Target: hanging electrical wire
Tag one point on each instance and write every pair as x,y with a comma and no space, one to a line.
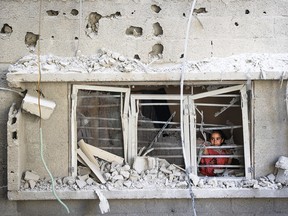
12,90
80,27
188,168
40,121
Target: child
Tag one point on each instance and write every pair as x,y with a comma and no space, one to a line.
216,139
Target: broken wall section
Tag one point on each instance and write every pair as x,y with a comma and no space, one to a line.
24,137
16,150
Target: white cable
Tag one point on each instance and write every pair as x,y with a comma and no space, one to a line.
80,26
181,104
182,77
40,121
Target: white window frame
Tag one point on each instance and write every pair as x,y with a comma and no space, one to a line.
245,124
124,118
129,118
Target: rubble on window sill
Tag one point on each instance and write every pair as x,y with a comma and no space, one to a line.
161,177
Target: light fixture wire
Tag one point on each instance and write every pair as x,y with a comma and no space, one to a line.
40,121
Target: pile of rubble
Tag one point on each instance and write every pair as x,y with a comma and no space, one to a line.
101,61
150,173
158,175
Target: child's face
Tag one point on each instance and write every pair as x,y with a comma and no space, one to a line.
216,139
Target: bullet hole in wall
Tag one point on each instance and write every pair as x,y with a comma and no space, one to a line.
200,10
76,38
14,135
114,15
247,11
74,12
157,29
157,51
14,119
52,13
93,23
236,24
264,12
6,29
182,56
134,31
133,12
156,8
31,39
136,56
64,14
52,37
184,15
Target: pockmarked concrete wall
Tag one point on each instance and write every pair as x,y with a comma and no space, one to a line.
145,30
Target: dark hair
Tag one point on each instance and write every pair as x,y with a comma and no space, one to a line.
219,132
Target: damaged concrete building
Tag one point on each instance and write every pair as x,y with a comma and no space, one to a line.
107,106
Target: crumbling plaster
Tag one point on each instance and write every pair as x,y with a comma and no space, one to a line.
260,30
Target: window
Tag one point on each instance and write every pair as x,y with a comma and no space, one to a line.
147,122
100,118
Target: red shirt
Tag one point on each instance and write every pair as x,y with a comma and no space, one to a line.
209,171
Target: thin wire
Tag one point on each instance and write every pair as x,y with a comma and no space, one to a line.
7,89
40,122
181,105
80,26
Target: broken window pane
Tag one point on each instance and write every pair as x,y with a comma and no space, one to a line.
99,119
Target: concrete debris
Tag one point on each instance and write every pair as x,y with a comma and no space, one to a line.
31,175
81,183
144,163
282,163
150,173
32,183
69,180
104,204
282,177
194,178
82,170
104,59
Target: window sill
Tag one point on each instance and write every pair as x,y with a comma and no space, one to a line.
153,194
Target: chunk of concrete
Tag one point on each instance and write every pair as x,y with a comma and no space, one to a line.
82,170
282,163
31,176
81,183
69,180
144,163
32,183
31,105
125,174
90,181
194,178
84,177
282,176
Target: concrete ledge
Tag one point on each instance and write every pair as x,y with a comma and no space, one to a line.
152,194
15,79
